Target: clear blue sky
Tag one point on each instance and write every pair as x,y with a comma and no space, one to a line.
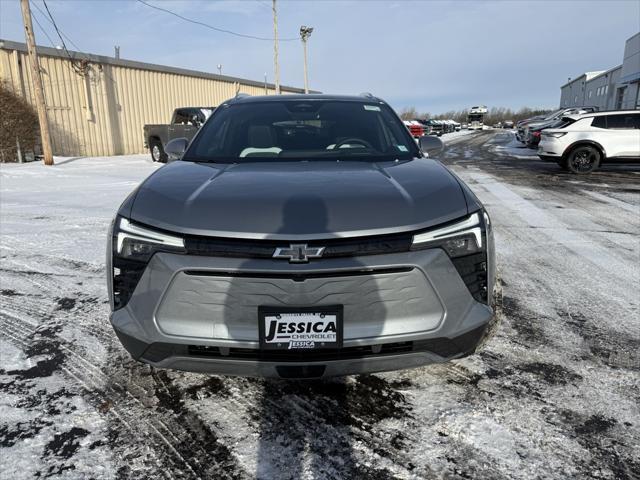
434,55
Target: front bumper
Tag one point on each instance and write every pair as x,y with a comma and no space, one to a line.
350,361
401,310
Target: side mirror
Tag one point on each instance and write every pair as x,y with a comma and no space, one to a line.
175,149
431,145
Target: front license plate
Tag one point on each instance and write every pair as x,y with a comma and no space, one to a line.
300,328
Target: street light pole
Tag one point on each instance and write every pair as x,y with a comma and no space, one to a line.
275,48
305,33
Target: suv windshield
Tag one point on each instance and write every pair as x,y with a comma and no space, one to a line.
302,130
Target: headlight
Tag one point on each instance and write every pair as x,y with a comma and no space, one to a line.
467,242
554,134
132,246
459,239
139,243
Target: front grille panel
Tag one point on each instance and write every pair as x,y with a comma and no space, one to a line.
224,305
339,247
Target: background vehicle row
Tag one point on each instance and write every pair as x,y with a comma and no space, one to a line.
581,143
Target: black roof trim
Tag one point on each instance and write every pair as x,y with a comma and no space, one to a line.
297,97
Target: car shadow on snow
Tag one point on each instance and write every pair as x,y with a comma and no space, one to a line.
315,429
308,428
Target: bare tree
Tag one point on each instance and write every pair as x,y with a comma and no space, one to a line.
409,113
495,114
18,125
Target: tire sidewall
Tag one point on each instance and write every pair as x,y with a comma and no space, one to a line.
162,157
579,150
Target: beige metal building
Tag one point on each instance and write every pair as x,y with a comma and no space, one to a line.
98,105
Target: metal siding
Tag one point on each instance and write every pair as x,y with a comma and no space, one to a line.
122,99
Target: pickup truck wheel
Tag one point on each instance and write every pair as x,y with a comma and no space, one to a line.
583,159
157,152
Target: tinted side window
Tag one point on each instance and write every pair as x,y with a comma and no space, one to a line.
194,117
181,116
599,122
623,122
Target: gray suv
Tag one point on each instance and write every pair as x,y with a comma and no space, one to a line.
300,236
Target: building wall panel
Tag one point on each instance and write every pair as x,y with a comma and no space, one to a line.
104,111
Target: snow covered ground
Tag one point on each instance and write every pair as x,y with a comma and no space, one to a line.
504,143
554,394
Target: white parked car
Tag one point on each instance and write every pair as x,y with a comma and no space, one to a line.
591,139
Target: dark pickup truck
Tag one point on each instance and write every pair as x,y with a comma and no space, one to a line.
185,122
435,127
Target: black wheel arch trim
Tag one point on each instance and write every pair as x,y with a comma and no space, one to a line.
580,143
153,138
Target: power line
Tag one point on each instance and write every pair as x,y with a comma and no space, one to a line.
80,69
63,34
43,31
72,59
221,30
264,4
60,31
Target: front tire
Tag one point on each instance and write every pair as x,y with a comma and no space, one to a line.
583,159
157,152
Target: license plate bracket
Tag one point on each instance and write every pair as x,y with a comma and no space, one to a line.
300,328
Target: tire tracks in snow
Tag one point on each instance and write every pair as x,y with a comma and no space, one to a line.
183,444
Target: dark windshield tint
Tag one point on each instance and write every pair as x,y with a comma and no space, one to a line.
304,130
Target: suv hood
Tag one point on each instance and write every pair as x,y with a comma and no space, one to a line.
298,200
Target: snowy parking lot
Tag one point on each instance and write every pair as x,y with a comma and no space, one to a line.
554,394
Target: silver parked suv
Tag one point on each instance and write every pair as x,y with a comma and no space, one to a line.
300,236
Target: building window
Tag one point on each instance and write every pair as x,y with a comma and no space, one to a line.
620,98
575,100
606,89
590,92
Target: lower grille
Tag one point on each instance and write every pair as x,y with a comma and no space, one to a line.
126,275
473,271
300,356
444,347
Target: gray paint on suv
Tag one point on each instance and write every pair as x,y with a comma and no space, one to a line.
402,249
361,198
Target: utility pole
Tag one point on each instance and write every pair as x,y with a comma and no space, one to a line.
275,47
117,51
37,83
305,33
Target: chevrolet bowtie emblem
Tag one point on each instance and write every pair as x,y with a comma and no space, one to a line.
298,253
